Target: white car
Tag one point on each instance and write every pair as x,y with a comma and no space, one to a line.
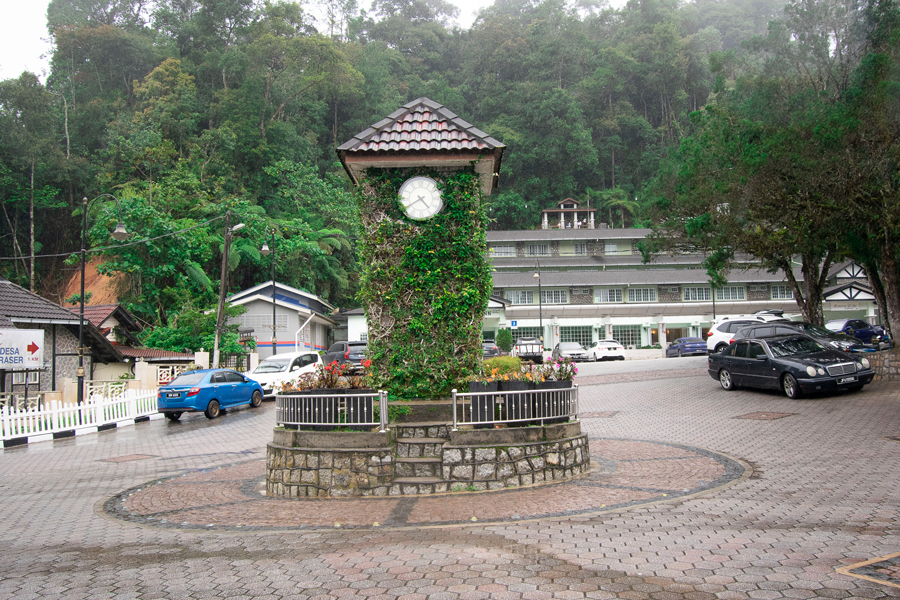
721,333
282,367
606,350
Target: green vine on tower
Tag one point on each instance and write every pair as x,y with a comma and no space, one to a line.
425,284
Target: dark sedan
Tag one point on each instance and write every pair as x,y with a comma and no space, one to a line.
796,364
490,349
824,336
207,390
686,347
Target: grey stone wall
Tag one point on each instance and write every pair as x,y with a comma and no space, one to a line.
886,365
580,298
300,472
669,293
758,291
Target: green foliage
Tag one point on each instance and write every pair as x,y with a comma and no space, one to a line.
504,365
195,329
504,339
425,284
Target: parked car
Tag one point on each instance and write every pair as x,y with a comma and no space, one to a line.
209,391
796,364
346,352
720,334
690,346
606,350
870,334
570,350
281,367
824,336
490,349
529,348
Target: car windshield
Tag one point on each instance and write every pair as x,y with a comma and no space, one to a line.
191,378
814,329
795,345
571,346
273,365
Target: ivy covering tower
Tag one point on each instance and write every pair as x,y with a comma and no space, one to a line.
423,175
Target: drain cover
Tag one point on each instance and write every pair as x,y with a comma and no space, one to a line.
599,415
765,416
884,570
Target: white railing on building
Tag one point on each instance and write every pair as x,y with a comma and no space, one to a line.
332,409
107,388
166,373
95,412
525,407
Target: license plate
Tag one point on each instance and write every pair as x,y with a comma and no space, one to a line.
846,380
172,395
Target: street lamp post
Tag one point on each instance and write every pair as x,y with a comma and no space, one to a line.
265,251
220,313
537,276
119,233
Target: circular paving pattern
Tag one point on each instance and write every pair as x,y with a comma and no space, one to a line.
625,473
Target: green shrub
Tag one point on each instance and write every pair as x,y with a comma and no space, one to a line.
505,340
503,364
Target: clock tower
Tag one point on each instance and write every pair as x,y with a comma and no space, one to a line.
422,176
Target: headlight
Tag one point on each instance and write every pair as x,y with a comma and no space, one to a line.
811,371
864,362
820,371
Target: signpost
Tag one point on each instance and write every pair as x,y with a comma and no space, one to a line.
513,325
21,349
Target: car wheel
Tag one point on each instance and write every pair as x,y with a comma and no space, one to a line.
256,399
212,409
173,416
721,347
594,357
726,380
790,386
679,353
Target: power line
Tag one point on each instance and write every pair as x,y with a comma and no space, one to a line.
102,248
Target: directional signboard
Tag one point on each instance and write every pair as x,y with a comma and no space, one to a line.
513,325
21,349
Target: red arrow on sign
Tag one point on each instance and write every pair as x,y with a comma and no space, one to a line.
32,347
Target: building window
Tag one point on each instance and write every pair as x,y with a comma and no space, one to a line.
580,249
581,334
364,337
520,296
262,323
607,295
554,297
611,248
696,294
782,292
627,335
523,332
537,250
730,292
642,294
503,250
34,377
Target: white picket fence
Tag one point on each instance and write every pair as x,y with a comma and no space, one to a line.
97,411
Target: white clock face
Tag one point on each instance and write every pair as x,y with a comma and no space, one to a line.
421,198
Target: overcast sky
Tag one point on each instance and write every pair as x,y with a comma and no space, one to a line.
23,29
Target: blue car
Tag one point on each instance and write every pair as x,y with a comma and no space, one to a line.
209,391
687,347
869,334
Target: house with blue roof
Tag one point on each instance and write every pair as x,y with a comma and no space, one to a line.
302,320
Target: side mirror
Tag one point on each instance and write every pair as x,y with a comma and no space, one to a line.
295,368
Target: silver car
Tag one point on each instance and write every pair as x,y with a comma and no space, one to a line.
572,350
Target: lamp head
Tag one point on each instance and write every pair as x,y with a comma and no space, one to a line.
120,233
238,227
537,275
265,249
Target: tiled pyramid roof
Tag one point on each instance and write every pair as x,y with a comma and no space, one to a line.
421,125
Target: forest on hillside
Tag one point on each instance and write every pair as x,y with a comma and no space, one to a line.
183,109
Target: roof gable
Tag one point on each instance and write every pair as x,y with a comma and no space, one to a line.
419,125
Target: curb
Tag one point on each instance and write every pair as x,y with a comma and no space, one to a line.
47,437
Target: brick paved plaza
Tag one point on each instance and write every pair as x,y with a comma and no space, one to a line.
696,493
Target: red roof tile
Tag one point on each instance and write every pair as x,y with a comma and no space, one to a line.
151,353
421,125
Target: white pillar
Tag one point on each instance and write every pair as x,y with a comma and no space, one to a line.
590,220
544,222
576,219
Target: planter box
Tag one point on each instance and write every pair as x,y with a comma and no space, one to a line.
483,407
518,406
551,403
317,406
359,409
